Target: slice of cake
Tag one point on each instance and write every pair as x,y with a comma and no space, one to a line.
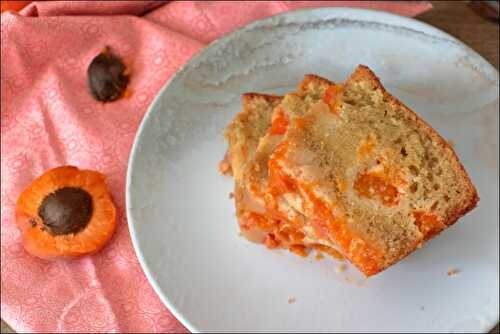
243,135
277,220
246,129
373,180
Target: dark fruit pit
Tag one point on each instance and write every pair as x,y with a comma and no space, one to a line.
67,210
106,77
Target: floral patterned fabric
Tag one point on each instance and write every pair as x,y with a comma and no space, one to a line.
48,119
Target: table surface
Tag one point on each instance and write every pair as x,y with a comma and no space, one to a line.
458,19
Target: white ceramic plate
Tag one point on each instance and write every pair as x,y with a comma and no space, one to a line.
182,221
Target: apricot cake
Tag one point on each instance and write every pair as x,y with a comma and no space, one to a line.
243,135
283,223
246,129
347,168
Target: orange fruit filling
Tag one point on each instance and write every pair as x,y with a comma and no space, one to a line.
252,219
279,123
300,250
367,147
376,186
271,242
428,223
328,250
332,97
326,226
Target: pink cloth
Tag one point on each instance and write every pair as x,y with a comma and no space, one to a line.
48,119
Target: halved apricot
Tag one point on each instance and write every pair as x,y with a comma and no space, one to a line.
15,6
66,212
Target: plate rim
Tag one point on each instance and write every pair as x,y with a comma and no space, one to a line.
404,22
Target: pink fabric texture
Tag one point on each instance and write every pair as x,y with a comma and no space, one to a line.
49,119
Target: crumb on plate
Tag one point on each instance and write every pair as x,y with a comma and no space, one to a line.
341,268
225,168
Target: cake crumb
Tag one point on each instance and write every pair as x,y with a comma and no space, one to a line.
452,143
225,166
231,195
291,300
319,256
453,272
341,268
